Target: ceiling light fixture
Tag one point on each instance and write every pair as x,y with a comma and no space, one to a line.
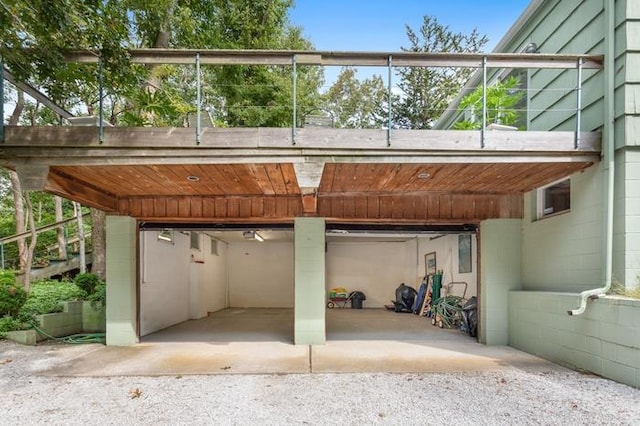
193,178
423,175
166,235
252,235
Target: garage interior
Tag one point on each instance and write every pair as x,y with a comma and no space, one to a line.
237,285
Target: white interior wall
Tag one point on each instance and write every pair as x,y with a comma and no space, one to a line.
261,274
178,283
164,284
214,278
446,248
377,268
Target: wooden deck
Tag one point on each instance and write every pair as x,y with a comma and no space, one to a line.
268,175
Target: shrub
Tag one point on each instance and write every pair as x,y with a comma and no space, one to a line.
12,295
88,282
45,297
9,324
98,298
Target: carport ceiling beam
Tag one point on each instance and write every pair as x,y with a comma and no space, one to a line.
308,175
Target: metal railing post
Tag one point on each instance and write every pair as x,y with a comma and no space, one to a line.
483,131
295,106
390,65
100,102
198,99
576,143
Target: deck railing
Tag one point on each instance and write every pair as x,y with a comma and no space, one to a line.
556,83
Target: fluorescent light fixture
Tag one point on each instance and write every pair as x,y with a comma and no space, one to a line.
252,235
166,235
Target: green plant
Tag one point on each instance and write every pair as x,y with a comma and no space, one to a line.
45,297
12,295
98,298
502,99
9,324
88,282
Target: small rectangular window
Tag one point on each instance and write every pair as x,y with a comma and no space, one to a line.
554,198
214,247
195,240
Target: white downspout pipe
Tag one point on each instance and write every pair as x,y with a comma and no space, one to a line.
608,140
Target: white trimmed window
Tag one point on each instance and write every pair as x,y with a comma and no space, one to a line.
554,198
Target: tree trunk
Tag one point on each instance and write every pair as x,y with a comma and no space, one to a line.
161,42
98,238
62,240
17,191
83,262
18,204
32,242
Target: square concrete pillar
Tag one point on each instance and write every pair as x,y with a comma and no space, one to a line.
309,270
121,281
500,272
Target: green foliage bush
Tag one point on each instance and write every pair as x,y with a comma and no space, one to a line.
502,99
98,298
9,324
45,297
88,282
12,295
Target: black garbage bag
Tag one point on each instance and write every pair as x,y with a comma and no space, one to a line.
356,299
470,316
405,297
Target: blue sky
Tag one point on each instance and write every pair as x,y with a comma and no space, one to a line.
379,25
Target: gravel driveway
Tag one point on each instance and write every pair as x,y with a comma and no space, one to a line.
515,396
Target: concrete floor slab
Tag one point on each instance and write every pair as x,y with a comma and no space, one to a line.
260,341
167,359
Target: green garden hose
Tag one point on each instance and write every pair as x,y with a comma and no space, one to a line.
448,310
75,338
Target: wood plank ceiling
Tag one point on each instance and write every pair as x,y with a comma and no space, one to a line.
366,192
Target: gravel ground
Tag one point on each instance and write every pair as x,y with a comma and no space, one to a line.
515,396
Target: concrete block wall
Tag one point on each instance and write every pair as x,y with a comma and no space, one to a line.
64,323
605,340
93,320
500,271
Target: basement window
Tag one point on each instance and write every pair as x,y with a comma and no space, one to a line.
554,199
195,240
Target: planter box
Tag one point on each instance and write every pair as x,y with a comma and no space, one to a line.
75,318
25,337
93,320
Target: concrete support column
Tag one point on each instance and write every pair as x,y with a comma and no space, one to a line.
500,272
309,270
121,279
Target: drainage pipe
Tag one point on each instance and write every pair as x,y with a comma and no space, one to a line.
608,160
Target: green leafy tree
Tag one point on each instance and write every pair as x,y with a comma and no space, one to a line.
357,104
426,92
35,34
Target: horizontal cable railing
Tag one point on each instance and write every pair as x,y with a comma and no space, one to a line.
227,88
